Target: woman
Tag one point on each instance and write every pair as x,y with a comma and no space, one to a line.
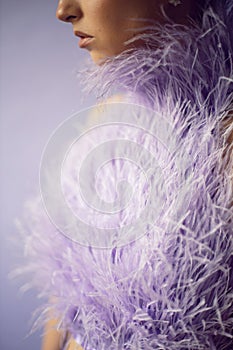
174,57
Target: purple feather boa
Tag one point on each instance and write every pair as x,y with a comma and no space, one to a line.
172,288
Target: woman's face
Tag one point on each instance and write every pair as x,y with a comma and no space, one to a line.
104,25
107,23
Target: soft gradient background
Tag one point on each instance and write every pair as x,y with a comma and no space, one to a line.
39,57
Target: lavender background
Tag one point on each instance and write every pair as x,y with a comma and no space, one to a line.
39,57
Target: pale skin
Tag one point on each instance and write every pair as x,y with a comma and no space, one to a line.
109,23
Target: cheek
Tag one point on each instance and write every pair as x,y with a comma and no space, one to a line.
110,15
116,15
111,21
108,27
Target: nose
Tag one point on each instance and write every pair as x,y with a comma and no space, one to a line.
68,10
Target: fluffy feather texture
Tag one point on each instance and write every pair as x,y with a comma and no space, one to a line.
172,288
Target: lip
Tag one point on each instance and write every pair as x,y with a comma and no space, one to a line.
85,39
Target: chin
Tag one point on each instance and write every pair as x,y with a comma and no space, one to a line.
100,57
97,57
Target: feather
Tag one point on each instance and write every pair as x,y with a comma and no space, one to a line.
171,287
